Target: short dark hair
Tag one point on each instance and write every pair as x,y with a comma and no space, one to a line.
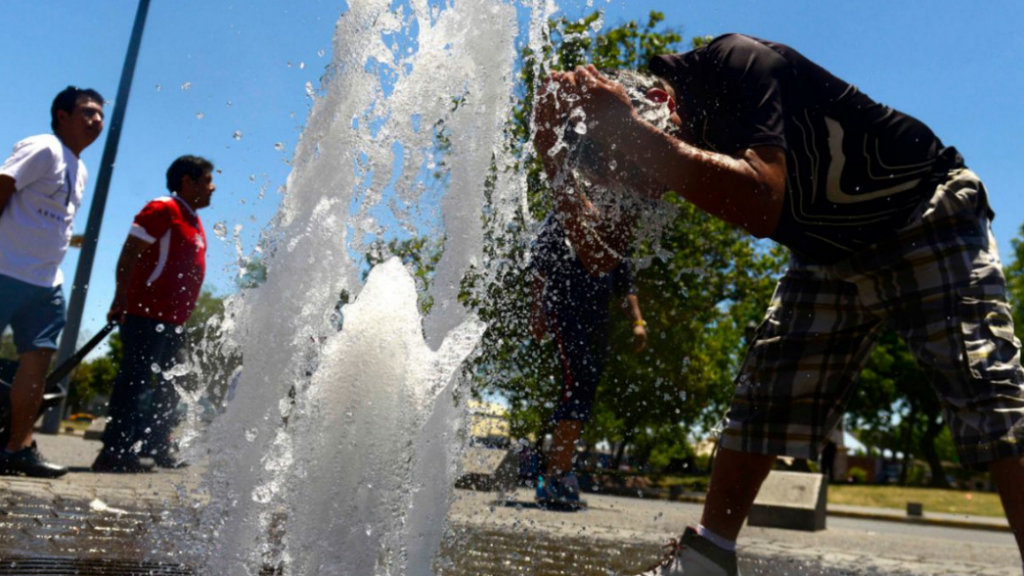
192,166
68,98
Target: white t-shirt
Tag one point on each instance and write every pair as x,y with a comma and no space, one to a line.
35,227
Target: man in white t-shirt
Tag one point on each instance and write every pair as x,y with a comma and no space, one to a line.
41,186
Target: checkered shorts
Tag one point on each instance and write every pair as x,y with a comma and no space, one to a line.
939,284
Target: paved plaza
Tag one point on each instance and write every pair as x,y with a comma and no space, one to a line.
123,523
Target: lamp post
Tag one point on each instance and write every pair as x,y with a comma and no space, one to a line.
76,305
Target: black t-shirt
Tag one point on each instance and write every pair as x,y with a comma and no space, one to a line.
856,169
570,293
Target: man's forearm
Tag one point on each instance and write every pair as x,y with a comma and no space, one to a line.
633,308
735,189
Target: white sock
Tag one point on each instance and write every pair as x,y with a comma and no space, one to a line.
723,543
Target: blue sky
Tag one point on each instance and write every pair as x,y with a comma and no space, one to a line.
246,65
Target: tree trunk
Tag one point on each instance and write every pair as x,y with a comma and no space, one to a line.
908,438
935,425
620,453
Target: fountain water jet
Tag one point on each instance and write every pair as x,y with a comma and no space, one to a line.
355,477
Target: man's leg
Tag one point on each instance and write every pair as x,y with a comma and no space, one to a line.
27,396
133,374
735,481
1008,474
162,417
563,447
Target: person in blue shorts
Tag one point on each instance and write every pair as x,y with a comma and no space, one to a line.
41,188
573,306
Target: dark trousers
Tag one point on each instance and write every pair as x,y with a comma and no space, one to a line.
143,405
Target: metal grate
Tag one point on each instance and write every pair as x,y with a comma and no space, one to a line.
68,566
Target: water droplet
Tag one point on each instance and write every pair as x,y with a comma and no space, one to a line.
230,104
160,328
186,86
251,434
309,89
252,177
289,63
200,115
321,52
580,128
155,368
237,135
179,329
220,229
302,65
159,87
369,530
279,147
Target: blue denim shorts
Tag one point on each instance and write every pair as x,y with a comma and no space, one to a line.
34,313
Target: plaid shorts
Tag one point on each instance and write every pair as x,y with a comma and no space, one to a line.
939,284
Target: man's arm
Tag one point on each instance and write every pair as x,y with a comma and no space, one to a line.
636,318
130,253
598,242
7,189
746,188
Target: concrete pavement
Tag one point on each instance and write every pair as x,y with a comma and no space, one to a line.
133,518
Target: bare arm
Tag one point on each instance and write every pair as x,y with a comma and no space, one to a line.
598,242
130,252
636,318
7,189
746,189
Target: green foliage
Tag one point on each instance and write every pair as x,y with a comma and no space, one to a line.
1015,283
858,475
96,377
896,409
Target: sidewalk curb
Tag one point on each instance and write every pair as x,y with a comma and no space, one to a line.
943,522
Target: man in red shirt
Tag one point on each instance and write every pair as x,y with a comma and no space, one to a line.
159,277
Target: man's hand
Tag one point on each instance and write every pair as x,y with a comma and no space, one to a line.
550,114
604,105
117,311
639,337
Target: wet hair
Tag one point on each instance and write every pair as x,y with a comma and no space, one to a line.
67,99
192,166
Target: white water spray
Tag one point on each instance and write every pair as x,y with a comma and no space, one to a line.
355,477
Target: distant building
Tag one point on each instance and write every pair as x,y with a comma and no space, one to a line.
488,424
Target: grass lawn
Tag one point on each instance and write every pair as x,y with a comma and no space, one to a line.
933,499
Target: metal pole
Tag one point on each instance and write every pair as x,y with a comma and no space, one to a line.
69,340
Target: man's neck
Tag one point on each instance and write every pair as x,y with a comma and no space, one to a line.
76,150
189,202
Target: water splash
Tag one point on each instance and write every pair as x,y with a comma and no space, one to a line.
337,454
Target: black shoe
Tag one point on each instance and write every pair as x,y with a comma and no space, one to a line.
128,463
169,462
29,462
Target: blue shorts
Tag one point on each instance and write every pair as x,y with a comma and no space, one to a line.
583,351
34,313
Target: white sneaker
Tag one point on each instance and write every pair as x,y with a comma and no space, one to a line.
694,555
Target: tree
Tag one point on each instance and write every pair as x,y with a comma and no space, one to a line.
705,281
1015,282
896,409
